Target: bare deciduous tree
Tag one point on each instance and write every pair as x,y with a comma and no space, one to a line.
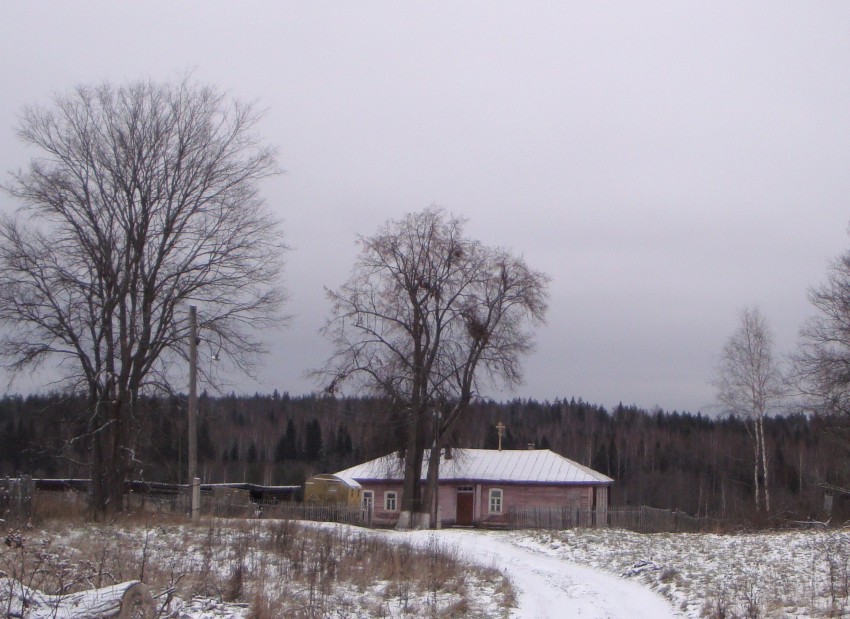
749,384
822,363
425,317
143,198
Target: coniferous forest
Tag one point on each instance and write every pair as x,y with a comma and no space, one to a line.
691,462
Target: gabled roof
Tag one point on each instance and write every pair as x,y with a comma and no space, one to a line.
539,466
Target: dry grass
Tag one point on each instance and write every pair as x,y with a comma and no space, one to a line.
273,568
804,573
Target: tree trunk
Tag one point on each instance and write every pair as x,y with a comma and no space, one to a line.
432,486
109,460
126,600
410,498
757,452
412,503
764,464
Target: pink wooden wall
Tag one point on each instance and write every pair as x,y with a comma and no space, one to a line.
513,495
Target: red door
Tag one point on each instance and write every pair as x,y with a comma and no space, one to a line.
465,502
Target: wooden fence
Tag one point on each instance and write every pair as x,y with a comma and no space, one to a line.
16,496
236,503
319,513
639,519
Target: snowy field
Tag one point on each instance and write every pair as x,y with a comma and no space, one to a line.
228,569
785,574
549,587
797,574
241,569
599,573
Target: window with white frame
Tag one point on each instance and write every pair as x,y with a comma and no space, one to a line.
390,501
495,501
368,499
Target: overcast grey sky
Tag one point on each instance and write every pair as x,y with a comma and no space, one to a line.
667,163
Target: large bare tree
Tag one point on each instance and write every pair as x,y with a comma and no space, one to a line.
822,363
750,385
426,316
822,360
142,199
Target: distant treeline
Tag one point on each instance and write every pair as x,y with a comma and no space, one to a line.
690,462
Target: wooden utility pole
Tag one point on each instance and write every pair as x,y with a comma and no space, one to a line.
193,413
435,454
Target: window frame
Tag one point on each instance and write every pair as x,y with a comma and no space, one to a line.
368,499
391,495
497,496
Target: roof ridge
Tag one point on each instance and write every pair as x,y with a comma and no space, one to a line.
536,466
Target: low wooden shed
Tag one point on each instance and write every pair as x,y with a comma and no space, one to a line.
480,487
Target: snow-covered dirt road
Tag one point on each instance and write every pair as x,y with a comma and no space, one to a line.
551,588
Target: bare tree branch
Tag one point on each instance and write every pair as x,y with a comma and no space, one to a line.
425,317
144,199
822,363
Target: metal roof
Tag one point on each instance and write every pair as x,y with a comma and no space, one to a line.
348,481
539,466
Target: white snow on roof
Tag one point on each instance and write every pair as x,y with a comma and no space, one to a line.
348,481
534,466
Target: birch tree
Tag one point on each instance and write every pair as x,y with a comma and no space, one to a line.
749,385
426,317
142,199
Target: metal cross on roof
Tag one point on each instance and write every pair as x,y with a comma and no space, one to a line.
501,428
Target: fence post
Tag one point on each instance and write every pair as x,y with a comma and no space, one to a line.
25,489
196,499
